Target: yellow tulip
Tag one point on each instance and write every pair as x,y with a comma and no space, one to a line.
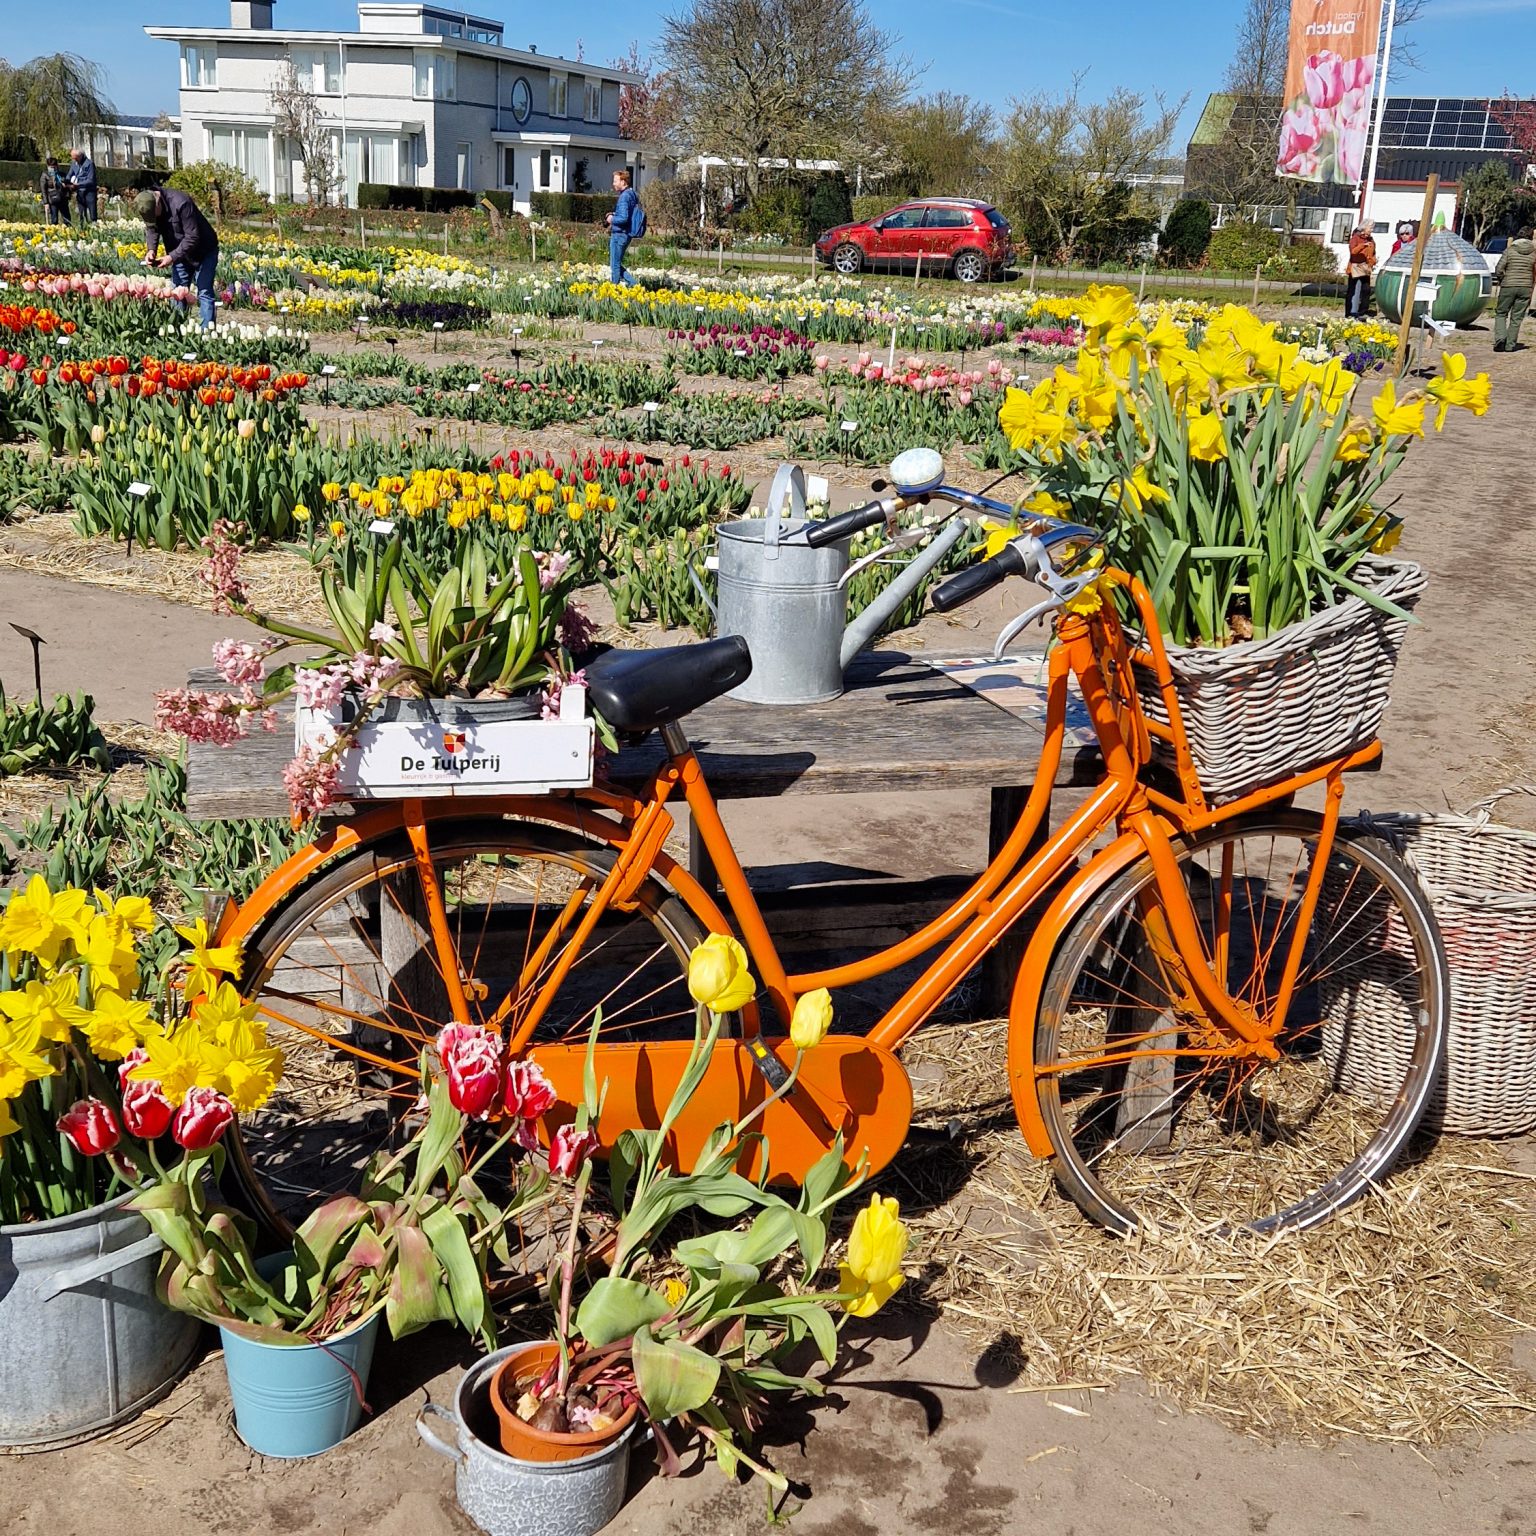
331,491
675,1291
876,1247
719,976
811,1020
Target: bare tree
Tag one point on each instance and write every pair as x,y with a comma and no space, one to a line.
47,99
944,143
790,79
296,117
1068,165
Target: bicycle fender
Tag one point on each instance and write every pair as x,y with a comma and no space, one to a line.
1024,1006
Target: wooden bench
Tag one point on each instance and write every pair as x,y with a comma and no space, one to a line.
900,726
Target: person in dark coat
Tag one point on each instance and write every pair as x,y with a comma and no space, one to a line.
174,220
55,192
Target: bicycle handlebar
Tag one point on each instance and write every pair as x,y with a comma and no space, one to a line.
845,524
978,578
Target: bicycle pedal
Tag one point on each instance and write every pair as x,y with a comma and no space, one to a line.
772,1070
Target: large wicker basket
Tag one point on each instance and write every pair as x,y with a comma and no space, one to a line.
1480,878
1262,710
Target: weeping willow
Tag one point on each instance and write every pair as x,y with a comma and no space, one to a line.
47,100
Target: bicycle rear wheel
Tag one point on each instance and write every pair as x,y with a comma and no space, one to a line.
1157,1114
349,985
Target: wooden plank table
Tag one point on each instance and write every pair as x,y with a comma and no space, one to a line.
900,726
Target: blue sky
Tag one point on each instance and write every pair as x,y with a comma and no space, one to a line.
994,49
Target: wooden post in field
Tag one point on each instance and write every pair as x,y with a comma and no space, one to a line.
917,273
1405,325
1256,271
1034,268
720,255
362,229
1141,287
445,235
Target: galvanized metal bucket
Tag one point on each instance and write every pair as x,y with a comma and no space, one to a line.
84,1341
785,599
508,1497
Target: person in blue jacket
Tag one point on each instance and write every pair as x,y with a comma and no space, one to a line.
623,224
173,219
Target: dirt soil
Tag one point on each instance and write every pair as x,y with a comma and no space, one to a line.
920,1432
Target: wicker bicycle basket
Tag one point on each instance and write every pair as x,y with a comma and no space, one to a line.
1262,710
1480,877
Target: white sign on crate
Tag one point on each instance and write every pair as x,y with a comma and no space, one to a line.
435,748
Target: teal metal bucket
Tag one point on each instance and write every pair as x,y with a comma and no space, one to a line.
298,1399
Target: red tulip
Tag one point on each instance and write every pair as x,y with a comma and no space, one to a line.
91,1127
528,1092
569,1149
471,1059
204,1116
147,1112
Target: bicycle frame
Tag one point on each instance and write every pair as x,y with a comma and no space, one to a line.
1092,650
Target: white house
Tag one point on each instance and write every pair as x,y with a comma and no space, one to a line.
421,95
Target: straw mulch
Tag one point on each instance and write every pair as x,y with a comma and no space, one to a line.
1393,1322
24,795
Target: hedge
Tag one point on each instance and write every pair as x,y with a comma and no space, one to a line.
27,174
573,207
375,194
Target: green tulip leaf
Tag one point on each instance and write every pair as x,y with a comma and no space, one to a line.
673,1378
616,1308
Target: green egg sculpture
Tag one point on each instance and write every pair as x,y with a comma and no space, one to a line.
1462,280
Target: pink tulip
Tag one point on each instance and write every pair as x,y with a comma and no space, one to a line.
823,362
1323,75
204,1116
994,367
569,1149
528,1092
874,373
91,1127
863,359
965,397
147,1112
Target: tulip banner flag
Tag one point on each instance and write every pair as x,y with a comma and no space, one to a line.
1328,85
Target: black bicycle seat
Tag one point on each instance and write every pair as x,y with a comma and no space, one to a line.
639,691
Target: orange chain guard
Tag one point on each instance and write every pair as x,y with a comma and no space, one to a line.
845,1084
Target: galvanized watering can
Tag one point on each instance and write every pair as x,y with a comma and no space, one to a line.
783,578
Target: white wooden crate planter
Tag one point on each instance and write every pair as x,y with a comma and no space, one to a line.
431,748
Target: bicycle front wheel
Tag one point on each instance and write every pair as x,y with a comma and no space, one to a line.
1158,1114
347,980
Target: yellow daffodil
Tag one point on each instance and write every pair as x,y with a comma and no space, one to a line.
1165,337
135,911
114,1025
8,1122
1386,541
1454,388
39,922
49,1008
1207,442
223,1014
1334,384
675,1291
998,535
22,1057
179,1061
1394,419
811,1020
109,951
1135,490
1044,504
1104,306
207,964
719,974
1356,444
876,1247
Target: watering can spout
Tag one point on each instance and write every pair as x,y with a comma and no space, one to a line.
862,631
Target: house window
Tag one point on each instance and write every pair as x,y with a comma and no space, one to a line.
435,75
319,68
247,149
508,166
592,102
544,169
557,95
463,168
200,66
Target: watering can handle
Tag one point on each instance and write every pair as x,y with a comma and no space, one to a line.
429,1437
73,1276
788,481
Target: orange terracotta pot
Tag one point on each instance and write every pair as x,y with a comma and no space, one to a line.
518,1437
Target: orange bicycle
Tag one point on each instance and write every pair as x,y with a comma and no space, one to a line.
1230,1011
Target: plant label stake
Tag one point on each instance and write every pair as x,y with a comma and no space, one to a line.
325,373
437,325
37,658
517,354
189,357
383,526
140,489
890,360
474,392
650,408
848,428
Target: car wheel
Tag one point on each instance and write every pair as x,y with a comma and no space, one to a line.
970,266
848,258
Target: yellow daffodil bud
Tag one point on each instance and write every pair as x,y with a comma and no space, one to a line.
811,1020
876,1247
719,976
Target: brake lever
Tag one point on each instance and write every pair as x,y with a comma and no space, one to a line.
907,538
1063,590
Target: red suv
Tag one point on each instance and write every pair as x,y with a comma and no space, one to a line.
949,234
